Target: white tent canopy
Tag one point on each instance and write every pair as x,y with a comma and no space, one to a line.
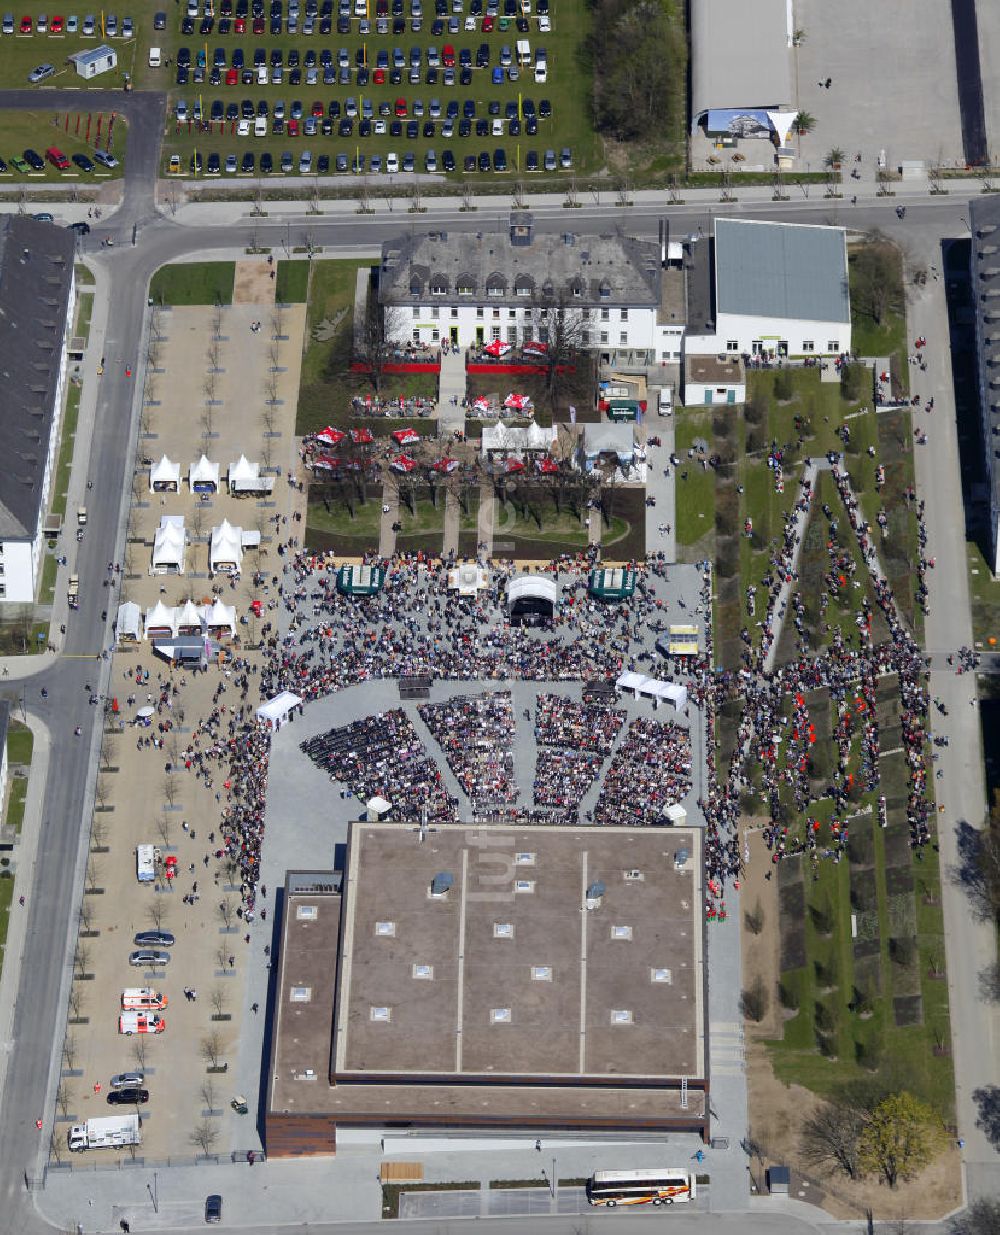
653,688
204,475
168,546
468,578
129,621
165,477
187,619
631,681
218,616
159,618
226,553
276,710
501,437
245,477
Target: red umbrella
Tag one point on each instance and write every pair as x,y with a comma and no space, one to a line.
325,463
496,348
361,437
330,435
538,348
403,463
446,465
546,465
514,465
406,437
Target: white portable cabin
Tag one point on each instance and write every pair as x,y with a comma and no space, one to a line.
145,863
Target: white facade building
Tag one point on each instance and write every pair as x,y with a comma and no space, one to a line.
470,290
37,302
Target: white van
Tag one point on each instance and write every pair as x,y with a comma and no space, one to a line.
261,74
523,52
145,863
665,406
260,126
155,58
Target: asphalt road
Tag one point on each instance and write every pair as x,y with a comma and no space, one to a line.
40,1005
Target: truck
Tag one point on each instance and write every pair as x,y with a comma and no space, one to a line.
109,1132
140,1022
81,516
155,57
142,998
73,592
665,406
146,857
523,52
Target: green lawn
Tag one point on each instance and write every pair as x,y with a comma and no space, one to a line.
6,898
695,505
567,88
20,742
84,277
292,282
193,283
48,589
886,337
15,802
84,308
65,465
984,592
327,385
46,127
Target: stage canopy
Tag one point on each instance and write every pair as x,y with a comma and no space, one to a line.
360,580
616,584
276,711
531,600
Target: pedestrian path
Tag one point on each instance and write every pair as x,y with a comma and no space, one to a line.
451,523
451,391
780,607
484,526
390,513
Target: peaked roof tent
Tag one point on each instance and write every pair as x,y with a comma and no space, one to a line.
129,621
203,476
217,615
360,580
159,618
245,477
165,476
226,552
616,584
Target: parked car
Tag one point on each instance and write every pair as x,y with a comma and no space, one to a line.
213,1208
40,73
34,160
8,23
84,164
56,157
132,1096
127,1080
105,159
147,957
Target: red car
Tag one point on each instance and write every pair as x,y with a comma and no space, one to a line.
56,25
448,56
25,25
56,157
401,107
317,109
258,25
232,77
293,128
378,77
240,25
487,25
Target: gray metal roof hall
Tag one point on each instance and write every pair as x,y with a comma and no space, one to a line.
740,55
783,270
36,278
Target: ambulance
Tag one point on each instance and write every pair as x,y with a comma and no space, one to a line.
142,998
140,1022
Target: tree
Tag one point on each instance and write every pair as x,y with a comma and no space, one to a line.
226,911
899,1138
381,331
981,1218
81,959
831,1136
987,1099
804,122
69,1051
755,1000
205,1136
560,327
876,278
208,1093
156,911
211,1048
218,998
638,55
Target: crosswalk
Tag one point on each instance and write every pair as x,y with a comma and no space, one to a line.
726,1050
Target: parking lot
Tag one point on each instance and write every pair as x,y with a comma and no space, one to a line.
468,87
141,802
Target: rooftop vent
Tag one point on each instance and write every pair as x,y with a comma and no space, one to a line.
633,876
441,883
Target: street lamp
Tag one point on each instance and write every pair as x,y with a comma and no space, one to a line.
152,1190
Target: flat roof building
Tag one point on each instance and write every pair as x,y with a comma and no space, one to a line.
740,59
984,215
516,978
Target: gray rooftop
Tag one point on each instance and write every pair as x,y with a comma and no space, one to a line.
984,215
36,274
585,270
740,55
784,270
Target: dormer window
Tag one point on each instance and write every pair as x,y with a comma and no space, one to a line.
415,287
523,286
605,290
495,286
439,286
466,287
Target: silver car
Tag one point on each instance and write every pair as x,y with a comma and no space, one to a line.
145,957
127,1080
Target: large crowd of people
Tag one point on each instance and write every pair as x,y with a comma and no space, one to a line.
381,756
650,771
476,734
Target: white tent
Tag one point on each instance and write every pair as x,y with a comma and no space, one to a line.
218,617
160,621
203,476
507,438
676,816
377,808
165,477
632,682
276,710
226,553
168,546
129,621
187,619
653,688
467,579
245,477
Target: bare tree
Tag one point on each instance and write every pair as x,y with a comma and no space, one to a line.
109,747
227,911
56,1147
64,1096
212,1048
379,333
831,1136
69,1051
222,956
75,999
208,1094
93,873
102,791
86,913
416,200
561,328
139,1051
170,788
205,1136
218,997
156,911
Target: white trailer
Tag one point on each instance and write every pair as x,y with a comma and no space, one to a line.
145,862
111,1132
